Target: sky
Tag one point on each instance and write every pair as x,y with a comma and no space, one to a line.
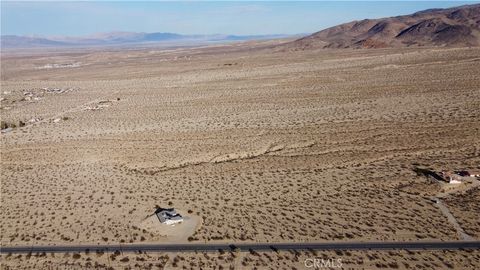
69,18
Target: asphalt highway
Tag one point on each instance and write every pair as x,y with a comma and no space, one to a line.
209,247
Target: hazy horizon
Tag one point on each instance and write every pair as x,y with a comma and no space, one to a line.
50,19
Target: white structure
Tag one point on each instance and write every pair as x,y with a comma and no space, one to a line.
168,216
454,181
174,220
452,177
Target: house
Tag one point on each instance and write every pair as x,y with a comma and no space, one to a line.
474,173
168,216
452,177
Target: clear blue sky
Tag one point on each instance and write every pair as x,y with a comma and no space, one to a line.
195,17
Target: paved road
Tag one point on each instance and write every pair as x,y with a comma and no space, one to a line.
416,245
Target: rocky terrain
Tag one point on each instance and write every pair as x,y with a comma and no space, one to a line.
453,27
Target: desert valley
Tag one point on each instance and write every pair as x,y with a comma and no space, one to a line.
282,140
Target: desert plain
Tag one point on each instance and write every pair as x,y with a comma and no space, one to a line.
255,142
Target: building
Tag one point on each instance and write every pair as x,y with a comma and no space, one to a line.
452,177
168,216
475,174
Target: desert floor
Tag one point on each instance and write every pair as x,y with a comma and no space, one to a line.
256,143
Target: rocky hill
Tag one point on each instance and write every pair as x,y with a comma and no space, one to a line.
455,27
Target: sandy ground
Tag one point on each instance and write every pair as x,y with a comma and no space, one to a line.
261,145
465,259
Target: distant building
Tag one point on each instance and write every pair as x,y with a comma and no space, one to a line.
168,216
474,173
452,177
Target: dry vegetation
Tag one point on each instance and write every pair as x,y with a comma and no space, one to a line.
465,259
466,208
263,145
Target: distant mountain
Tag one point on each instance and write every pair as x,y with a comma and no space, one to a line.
459,26
120,38
18,41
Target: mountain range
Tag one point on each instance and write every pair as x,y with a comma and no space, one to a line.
121,38
458,26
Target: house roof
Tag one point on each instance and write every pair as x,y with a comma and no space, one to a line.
164,214
164,210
